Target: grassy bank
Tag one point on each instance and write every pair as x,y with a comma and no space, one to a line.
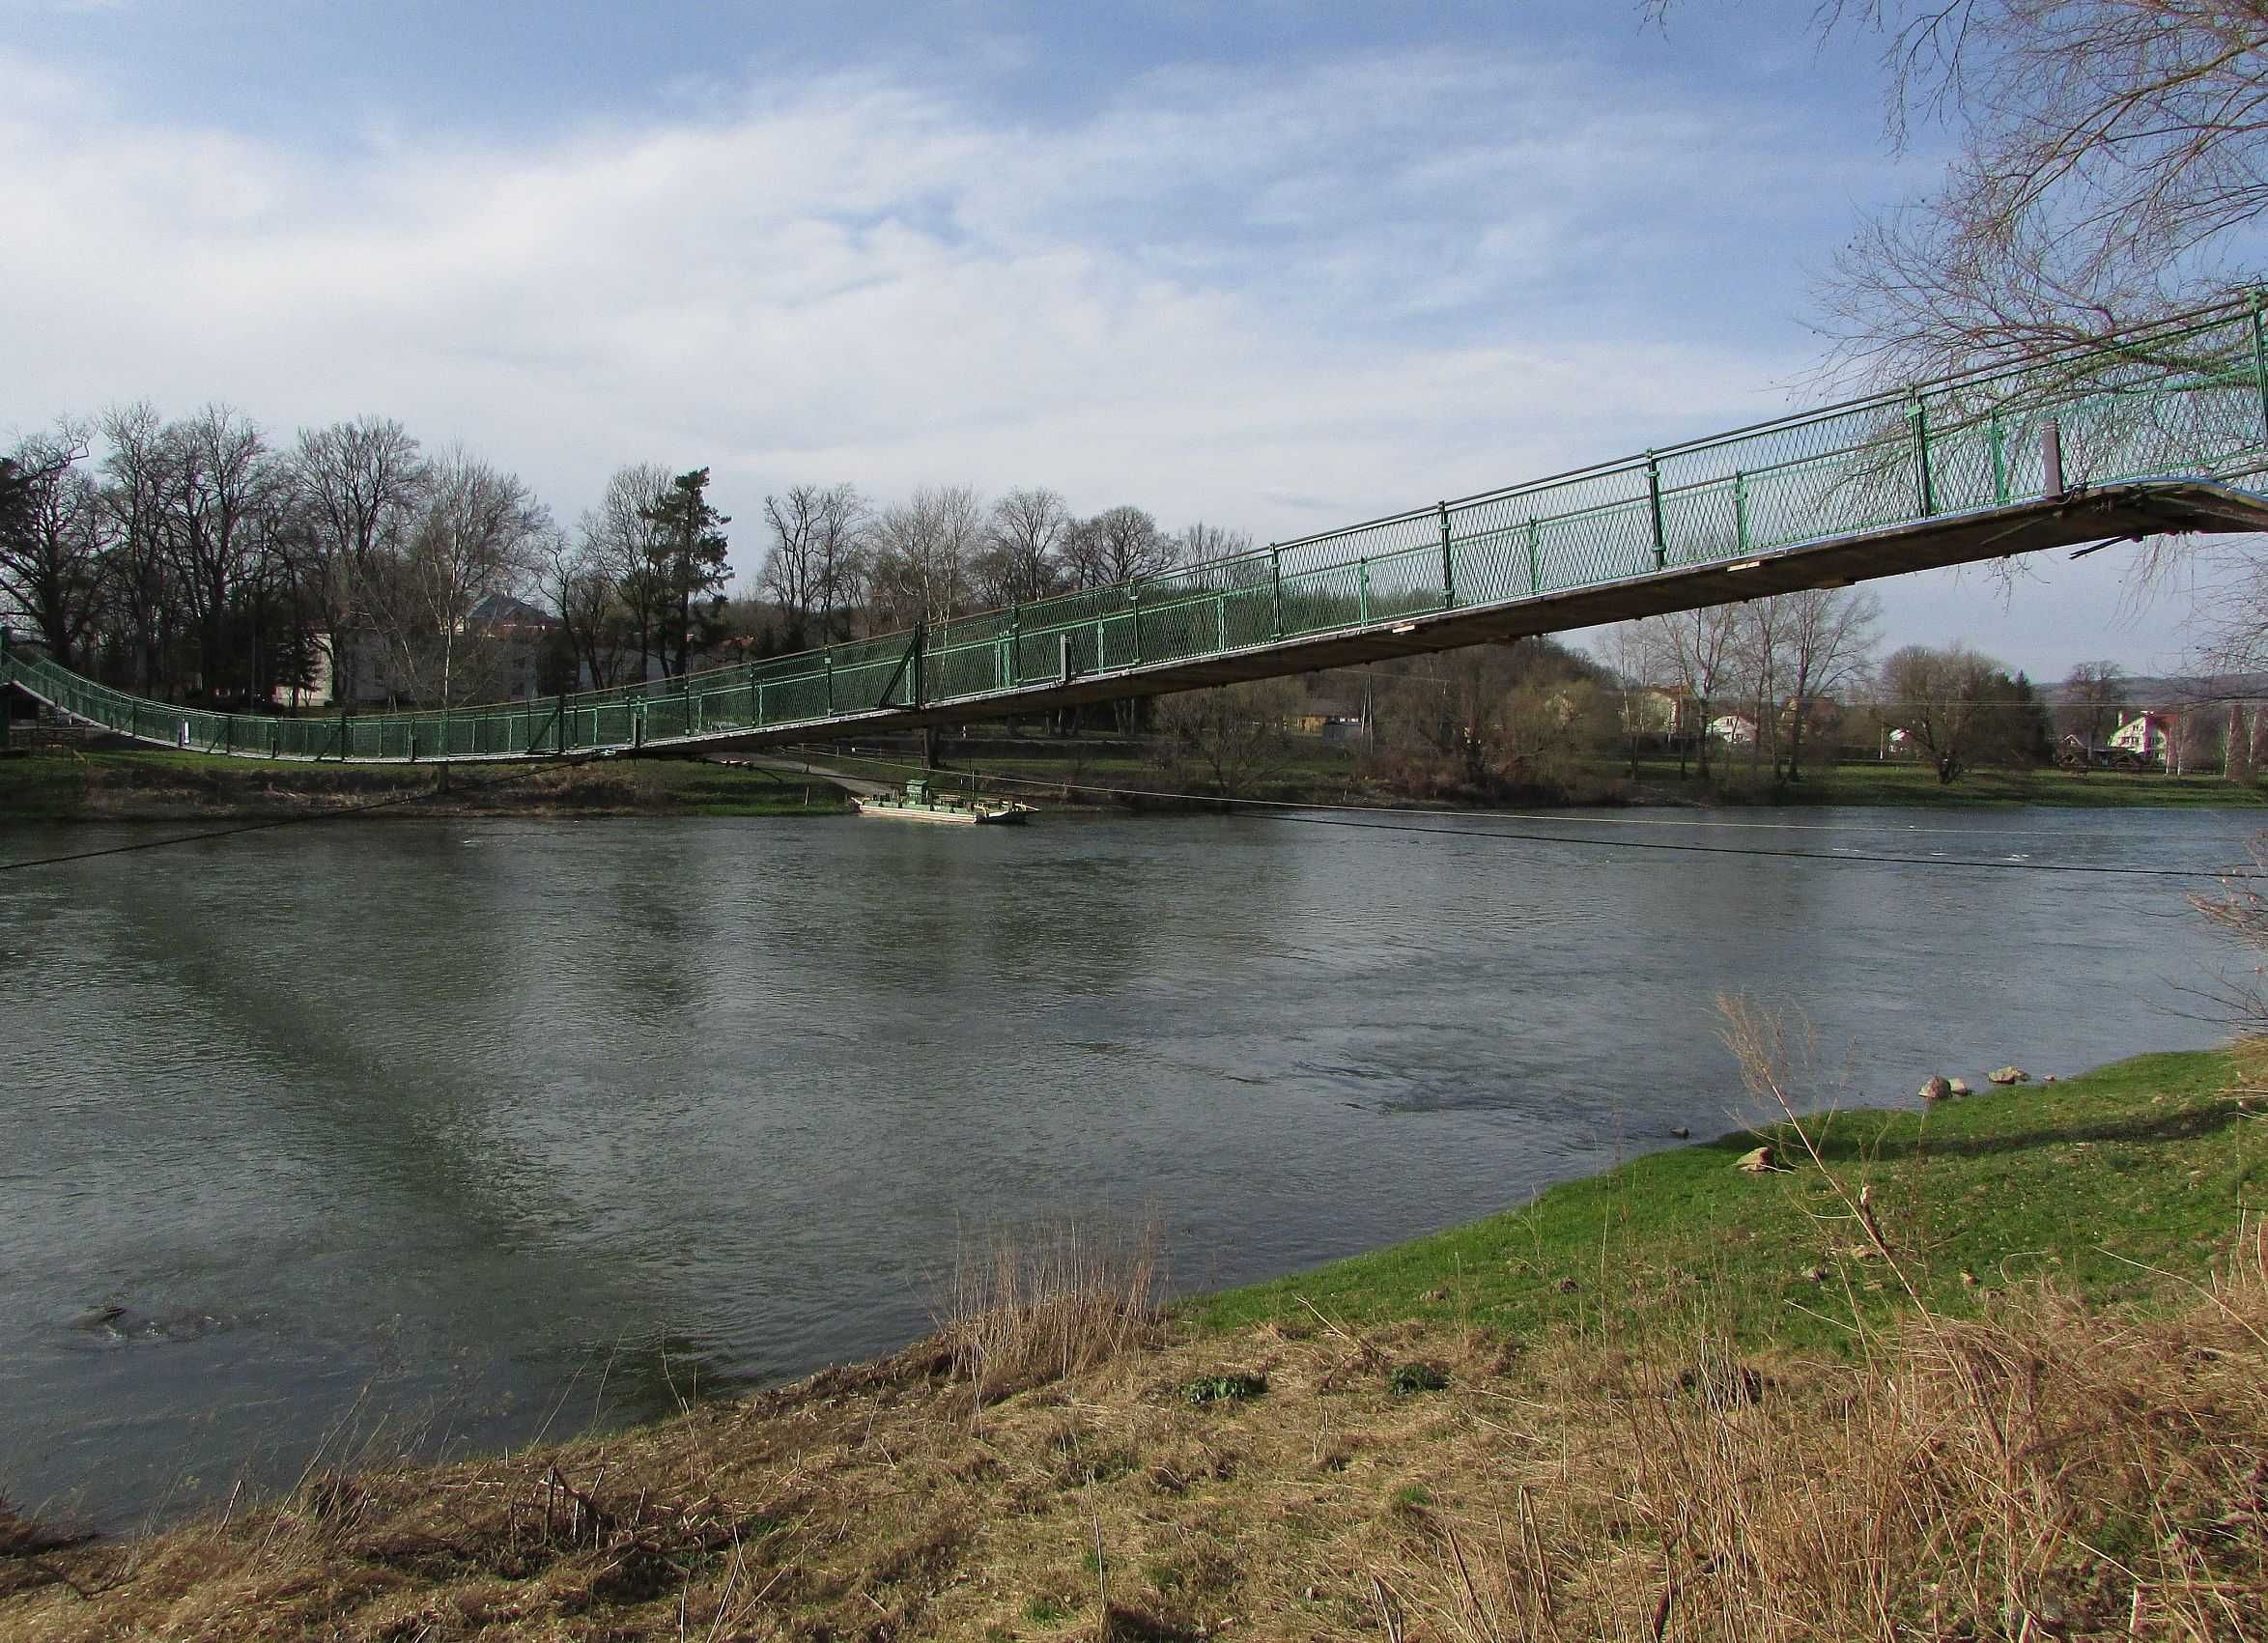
67,785
1677,1401
1320,773
1866,781
2141,1162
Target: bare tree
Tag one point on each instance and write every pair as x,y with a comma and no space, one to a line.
138,472
1759,634
1628,652
1236,735
617,539
1962,709
478,535
51,542
813,570
844,531
1201,543
2109,173
217,480
359,484
1116,545
924,549
1023,537
791,562
2094,695
1828,641
580,588
1695,651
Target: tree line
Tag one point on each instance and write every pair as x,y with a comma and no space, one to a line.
206,559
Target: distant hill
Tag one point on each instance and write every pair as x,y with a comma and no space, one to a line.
2150,690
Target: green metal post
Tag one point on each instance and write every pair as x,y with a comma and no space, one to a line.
1133,598
920,638
412,743
1654,504
1741,512
830,683
1015,644
1362,596
559,737
1535,560
1448,564
1927,492
1997,438
2260,366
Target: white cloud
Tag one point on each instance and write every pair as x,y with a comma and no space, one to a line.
1347,285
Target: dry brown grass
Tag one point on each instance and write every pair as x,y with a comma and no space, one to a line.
2052,1472
1030,1303
1057,1462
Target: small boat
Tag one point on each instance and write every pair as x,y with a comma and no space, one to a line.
919,804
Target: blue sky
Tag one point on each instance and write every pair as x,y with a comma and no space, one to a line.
1276,266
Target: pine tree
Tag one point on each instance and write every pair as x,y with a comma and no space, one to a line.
687,557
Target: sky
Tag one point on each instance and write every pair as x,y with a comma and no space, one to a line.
1274,266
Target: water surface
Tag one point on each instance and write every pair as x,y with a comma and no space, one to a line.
478,1126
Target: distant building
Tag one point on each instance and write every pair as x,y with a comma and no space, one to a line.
1660,710
500,656
2150,735
1331,719
1734,730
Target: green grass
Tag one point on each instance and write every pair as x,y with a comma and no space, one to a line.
1332,772
1869,781
2147,1161
61,785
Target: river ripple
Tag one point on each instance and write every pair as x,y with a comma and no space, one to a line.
463,1126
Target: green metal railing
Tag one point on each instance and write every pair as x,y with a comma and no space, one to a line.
2184,400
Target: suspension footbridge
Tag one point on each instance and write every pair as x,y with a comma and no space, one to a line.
2138,435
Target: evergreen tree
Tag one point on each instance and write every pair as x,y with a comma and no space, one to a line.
686,558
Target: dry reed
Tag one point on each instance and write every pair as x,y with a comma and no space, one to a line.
1030,1303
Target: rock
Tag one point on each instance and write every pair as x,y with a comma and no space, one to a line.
1938,1087
1756,1162
1958,1087
2010,1075
1682,1133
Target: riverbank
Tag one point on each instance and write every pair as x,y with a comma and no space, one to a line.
61,785
65,785
2018,1388
1333,773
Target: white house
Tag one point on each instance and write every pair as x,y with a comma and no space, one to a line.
1736,729
2149,734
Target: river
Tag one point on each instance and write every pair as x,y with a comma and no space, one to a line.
341,1135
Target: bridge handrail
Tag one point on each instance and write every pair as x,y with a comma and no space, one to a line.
2186,397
